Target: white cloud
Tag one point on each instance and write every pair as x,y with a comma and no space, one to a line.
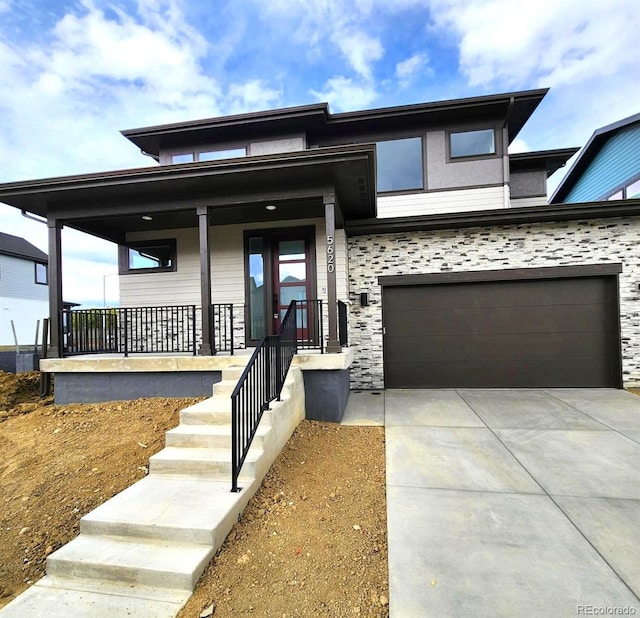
518,145
344,94
360,50
409,69
548,42
252,95
95,72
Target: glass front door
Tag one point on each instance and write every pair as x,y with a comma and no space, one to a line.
279,270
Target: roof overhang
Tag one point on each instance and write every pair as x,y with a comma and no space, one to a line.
548,160
110,204
319,125
502,216
587,155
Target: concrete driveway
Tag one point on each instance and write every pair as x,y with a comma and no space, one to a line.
513,502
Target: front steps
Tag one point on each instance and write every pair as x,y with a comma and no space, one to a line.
142,552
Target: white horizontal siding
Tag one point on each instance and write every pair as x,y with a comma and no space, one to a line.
462,200
181,287
227,266
25,315
517,202
18,279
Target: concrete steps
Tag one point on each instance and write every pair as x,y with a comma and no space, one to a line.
148,562
142,552
207,436
212,463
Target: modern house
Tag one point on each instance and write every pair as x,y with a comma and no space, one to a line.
607,168
408,234
24,290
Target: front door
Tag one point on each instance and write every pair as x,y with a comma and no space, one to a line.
291,277
279,269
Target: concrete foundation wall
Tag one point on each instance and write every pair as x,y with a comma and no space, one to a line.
97,387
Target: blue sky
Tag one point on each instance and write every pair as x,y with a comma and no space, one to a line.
75,72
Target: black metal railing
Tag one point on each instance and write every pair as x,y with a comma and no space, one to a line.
130,330
310,325
343,337
260,383
221,316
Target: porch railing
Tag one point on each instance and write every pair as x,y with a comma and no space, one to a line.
310,325
221,316
135,330
343,337
260,383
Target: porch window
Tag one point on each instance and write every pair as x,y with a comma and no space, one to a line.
472,143
399,164
148,256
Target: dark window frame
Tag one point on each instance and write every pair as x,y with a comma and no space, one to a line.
423,158
46,273
270,236
474,157
137,245
621,188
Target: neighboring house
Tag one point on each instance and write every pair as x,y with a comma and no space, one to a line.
607,168
454,269
24,290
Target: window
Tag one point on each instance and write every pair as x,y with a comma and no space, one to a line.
208,155
42,275
632,191
399,164
148,256
472,143
629,192
183,158
216,155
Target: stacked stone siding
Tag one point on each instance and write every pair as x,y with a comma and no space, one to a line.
489,248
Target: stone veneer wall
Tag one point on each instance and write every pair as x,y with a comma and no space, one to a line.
489,248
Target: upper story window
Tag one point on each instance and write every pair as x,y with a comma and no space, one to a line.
399,164
42,274
472,143
208,155
628,192
148,256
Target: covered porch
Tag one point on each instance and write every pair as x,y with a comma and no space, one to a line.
253,199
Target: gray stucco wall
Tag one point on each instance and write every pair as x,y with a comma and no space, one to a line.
95,387
325,394
471,173
517,246
528,184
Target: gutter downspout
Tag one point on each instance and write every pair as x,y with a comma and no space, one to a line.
506,174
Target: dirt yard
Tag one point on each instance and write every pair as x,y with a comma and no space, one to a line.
312,541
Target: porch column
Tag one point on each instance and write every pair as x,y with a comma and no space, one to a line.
205,280
333,345
55,287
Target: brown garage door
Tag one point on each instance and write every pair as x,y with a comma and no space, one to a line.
550,332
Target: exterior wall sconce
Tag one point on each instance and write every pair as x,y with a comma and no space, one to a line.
364,299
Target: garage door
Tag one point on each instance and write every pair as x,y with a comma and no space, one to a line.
549,332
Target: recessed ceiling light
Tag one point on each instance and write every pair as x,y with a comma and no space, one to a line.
270,207
147,218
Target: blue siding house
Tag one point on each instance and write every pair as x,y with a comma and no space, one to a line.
24,289
607,168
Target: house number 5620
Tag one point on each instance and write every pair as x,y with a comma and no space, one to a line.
331,255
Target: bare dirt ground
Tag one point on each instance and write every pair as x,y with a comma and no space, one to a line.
311,542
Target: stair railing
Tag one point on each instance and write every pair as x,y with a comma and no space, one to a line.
261,382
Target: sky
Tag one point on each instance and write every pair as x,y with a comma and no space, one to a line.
73,73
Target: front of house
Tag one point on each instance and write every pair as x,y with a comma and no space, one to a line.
408,232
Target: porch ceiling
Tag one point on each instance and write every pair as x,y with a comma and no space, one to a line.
110,204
